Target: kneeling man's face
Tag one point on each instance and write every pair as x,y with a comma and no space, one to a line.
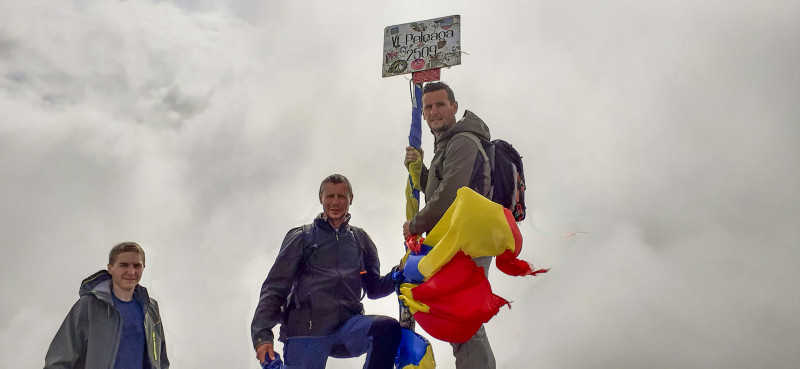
126,270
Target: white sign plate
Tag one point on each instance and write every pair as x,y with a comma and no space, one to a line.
418,46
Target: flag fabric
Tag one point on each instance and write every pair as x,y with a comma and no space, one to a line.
451,297
478,227
414,140
415,352
272,364
413,188
454,302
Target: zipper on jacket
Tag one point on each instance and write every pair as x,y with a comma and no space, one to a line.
155,353
118,339
310,311
155,347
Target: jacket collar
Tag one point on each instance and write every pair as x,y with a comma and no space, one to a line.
99,285
468,123
321,222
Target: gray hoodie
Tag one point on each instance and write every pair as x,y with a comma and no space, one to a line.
90,335
457,162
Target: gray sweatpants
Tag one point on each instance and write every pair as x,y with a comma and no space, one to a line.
476,353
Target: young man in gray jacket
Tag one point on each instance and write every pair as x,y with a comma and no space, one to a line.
457,162
114,324
314,292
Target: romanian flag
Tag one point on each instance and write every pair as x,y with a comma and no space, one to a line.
413,187
415,352
453,297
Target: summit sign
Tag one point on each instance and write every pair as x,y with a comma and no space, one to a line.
419,46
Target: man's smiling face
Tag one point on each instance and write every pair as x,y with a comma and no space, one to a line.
439,111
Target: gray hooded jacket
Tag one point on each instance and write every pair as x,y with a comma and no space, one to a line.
90,335
457,162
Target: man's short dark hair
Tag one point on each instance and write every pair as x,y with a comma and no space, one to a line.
124,247
436,86
336,178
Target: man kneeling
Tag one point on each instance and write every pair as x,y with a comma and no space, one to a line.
314,291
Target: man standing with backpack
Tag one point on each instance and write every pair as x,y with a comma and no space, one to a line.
114,324
314,291
459,160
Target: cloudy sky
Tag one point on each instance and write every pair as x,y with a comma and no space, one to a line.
669,131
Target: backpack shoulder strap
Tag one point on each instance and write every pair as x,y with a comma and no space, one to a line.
309,244
309,241
487,155
357,234
307,236
476,140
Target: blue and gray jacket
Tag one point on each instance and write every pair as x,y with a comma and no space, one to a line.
90,334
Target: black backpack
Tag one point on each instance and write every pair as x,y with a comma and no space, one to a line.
508,178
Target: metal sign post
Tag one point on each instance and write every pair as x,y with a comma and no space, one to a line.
421,48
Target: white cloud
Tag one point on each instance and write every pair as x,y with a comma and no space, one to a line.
202,130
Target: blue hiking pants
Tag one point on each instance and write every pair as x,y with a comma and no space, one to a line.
377,336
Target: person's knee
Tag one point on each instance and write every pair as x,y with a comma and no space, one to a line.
395,333
384,325
385,329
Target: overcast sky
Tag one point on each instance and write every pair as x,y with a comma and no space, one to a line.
670,131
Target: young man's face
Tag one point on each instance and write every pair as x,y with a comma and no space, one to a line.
335,201
126,271
438,111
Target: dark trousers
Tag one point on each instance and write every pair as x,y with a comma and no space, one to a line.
377,336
